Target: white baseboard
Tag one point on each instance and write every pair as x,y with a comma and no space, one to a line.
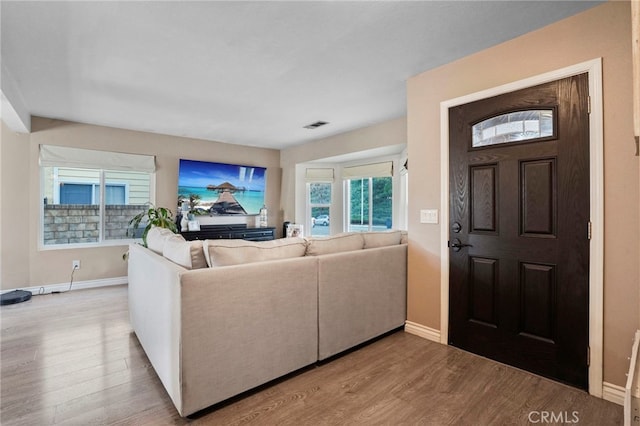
77,285
422,331
613,393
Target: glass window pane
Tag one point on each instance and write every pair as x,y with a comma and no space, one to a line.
115,194
70,214
370,204
320,193
127,194
513,127
76,193
359,205
320,221
319,203
382,204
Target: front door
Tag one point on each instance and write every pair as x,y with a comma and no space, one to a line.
519,237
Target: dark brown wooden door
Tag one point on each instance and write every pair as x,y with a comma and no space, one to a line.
519,197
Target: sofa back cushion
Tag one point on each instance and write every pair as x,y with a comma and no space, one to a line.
156,238
236,252
382,239
347,241
188,254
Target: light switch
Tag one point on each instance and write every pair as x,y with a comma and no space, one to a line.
429,216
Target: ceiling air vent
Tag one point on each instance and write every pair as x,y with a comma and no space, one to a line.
315,125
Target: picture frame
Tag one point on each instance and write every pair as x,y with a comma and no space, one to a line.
295,230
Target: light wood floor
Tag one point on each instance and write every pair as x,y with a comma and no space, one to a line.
73,359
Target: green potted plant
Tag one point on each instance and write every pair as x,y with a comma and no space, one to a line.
153,216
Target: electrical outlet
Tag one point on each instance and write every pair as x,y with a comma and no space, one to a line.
75,264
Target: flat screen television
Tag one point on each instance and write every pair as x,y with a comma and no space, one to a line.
221,189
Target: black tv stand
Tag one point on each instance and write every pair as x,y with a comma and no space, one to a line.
236,231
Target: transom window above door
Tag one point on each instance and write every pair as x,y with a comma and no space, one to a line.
518,126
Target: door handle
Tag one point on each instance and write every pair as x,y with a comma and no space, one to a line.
457,245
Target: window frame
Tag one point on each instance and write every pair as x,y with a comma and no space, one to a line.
310,206
102,184
347,202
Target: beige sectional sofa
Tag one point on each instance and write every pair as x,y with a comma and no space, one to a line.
217,318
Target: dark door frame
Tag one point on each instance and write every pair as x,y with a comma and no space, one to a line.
596,170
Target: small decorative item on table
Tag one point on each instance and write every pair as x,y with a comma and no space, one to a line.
295,230
263,216
184,223
194,225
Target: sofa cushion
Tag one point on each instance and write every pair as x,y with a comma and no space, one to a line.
236,252
156,238
381,239
347,241
185,253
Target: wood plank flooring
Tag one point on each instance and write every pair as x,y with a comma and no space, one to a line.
73,359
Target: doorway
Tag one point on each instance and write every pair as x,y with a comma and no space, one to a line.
594,70
519,220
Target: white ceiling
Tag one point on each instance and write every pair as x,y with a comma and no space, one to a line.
251,73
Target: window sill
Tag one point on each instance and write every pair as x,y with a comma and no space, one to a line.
108,243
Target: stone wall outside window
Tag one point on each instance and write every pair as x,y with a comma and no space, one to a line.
80,223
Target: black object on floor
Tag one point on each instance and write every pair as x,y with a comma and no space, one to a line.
15,296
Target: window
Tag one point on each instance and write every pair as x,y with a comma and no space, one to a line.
74,209
89,193
77,193
319,207
516,126
370,204
319,187
115,194
369,199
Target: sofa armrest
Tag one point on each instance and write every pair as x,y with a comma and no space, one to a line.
154,312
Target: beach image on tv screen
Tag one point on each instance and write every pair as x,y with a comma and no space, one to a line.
221,189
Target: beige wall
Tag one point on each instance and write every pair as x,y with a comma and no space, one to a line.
635,21
24,265
604,31
14,191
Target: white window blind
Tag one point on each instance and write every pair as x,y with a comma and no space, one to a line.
61,156
319,175
384,169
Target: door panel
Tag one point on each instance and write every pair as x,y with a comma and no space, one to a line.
484,287
538,206
538,294
519,189
484,211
